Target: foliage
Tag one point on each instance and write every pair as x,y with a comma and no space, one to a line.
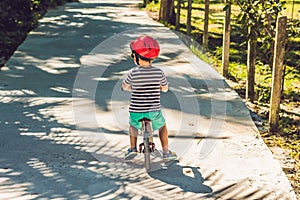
147,2
292,65
153,6
17,18
260,16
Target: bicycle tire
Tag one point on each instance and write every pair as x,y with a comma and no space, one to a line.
147,150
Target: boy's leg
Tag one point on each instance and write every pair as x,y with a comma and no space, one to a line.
132,151
133,134
163,136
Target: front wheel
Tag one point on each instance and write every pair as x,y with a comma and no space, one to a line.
147,153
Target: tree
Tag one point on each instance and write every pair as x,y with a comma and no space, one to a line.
259,18
178,8
17,18
251,60
189,18
167,12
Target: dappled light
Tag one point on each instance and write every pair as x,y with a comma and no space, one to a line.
17,93
64,119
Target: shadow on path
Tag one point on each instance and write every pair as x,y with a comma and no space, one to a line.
42,156
189,179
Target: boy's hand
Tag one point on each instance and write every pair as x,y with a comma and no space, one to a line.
164,88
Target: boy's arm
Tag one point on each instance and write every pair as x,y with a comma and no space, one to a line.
164,85
164,88
126,87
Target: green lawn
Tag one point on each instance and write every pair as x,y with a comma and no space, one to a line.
238,44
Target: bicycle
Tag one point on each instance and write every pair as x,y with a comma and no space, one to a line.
147,146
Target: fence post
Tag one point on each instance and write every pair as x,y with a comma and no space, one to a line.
279,51
226,39
205,27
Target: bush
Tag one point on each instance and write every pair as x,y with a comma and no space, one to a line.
17,18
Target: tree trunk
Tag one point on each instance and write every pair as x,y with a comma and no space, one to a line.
178,15
226,39
205,28
251,59
189,18
167,12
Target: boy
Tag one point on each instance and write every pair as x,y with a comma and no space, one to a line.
145,82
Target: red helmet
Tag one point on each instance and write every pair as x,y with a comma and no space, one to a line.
146,47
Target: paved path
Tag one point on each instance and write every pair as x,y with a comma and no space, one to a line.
64,119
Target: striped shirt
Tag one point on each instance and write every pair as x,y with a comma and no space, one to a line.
145,84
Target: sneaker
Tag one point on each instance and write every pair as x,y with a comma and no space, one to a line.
169,156
131,153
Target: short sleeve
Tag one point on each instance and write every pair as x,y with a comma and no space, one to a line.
128,78
163,81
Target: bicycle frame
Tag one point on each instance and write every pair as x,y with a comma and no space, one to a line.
147,146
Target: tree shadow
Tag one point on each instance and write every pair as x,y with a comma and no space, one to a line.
42,153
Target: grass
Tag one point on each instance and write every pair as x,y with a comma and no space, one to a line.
288,136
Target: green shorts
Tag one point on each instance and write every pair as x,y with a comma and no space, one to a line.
156,117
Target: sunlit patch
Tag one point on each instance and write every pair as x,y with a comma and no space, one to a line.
94,17
20,68
101,79
51,69
165,57
14,75
41,167
9,188
81,91
38,134
60,20
54,65
22,92
51,19
37,33
60,89
86,10
23,129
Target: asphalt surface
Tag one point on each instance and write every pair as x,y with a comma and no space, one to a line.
64,119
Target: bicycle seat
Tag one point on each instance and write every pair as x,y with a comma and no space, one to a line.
145,119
